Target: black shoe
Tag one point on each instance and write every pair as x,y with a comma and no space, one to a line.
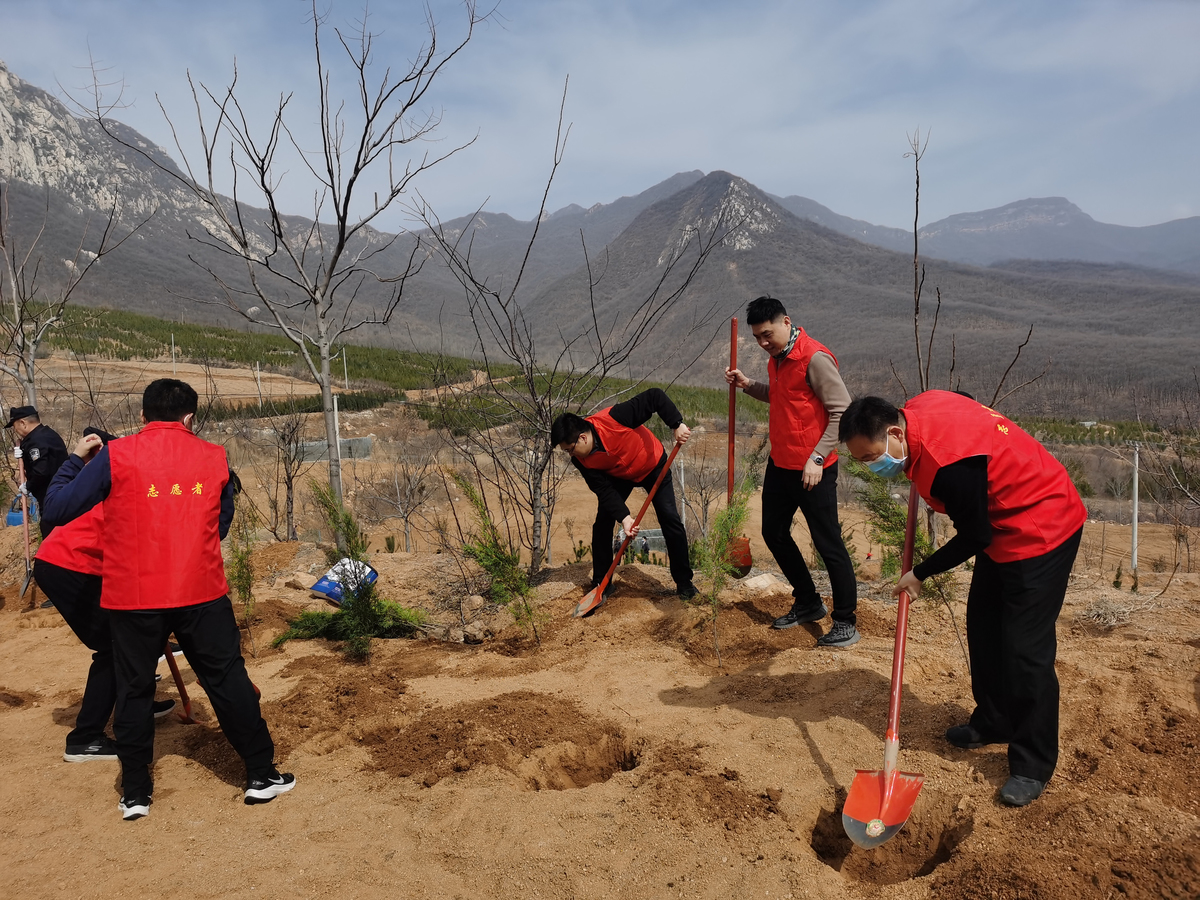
799,616
266,786
134,808
175,651
162,708
103,747
842,634
1021,791
687,592
46,604
157,677
967,737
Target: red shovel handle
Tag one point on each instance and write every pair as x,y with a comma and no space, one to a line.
910,528
732,401
641,512
186,715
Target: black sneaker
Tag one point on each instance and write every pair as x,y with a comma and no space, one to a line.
46,604
265,787
687,592
842,634
103,747
162,708
968,737
799,616
157,677
134,808
175,651
1021,791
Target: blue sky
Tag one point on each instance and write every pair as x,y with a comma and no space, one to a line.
1094,100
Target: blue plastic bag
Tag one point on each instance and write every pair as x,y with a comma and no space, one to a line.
346,576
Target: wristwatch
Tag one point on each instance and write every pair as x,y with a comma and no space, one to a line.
818,459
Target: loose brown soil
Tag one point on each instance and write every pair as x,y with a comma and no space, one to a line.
616,758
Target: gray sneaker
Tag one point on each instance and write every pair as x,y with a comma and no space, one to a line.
796,616
842,634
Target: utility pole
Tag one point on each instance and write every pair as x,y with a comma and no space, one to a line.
1134,548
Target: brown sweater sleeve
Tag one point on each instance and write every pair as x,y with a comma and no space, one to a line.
826,382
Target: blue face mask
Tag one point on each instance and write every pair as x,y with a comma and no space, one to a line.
887,466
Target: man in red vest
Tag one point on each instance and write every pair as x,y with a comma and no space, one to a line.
168,500
67,569
1016,510
615,452
807,396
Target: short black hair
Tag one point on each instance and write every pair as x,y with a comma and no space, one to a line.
868,417
567,428
169,400
764,309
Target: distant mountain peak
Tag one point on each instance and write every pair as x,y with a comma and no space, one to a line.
1023,214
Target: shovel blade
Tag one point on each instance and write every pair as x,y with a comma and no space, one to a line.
26,582
872,814
591,602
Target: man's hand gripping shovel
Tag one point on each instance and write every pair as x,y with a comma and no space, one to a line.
594,599
880,800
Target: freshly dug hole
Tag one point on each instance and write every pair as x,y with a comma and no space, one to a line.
929,838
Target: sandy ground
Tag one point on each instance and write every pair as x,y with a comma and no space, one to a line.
615,759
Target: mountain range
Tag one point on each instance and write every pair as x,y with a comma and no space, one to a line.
1117,309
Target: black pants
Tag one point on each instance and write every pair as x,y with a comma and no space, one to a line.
77,598
668,520
783,493
209,637
1011,611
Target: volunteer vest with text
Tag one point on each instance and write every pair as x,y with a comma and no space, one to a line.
162,546
1032,504
797,418
629,453
76,545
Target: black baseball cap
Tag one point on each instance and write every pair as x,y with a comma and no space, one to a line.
19,412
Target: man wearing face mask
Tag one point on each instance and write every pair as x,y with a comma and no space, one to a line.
1016,510
167,498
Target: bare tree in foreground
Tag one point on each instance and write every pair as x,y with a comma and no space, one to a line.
35,291
502,426
313,278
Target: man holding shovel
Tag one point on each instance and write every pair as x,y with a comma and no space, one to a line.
1016,510
168,500
615,452
807,397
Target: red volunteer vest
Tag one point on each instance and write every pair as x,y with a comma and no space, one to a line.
629,453
162,546
1032,504
797,418
76,545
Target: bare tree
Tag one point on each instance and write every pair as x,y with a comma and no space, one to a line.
307,276
408,488
283,436
502,425
34,291
705,481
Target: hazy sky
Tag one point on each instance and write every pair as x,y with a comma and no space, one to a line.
1094,100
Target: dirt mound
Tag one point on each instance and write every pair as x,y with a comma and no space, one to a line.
545,741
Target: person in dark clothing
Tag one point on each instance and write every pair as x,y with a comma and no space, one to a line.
807,397
615,452
42,452
67,569
1017,512
168,499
